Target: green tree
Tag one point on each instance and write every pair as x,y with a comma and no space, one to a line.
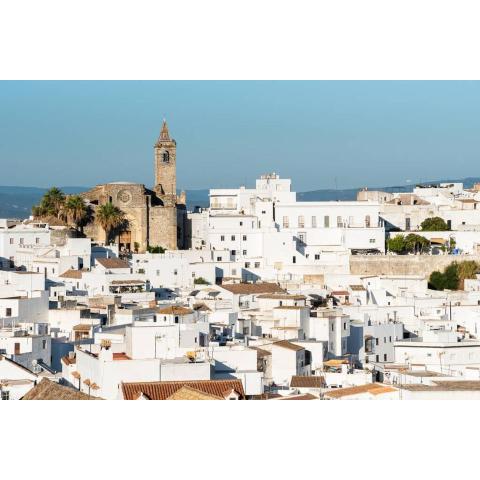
416,243
201,281
397,245
75,210
453,276
51,204
451,245
436,281
434,224
466,269
110,218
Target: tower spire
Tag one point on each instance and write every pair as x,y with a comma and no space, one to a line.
164,134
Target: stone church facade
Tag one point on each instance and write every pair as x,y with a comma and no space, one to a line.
156,217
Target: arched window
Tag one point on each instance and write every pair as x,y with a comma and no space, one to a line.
166,157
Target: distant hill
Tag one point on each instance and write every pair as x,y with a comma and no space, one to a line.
351,193
17,202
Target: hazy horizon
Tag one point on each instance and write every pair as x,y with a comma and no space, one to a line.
343,134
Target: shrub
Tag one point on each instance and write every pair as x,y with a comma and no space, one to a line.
434,224
157,249
453,276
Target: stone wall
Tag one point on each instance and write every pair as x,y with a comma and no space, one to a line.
403,264
163,227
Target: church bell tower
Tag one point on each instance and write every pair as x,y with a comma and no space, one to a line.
165,164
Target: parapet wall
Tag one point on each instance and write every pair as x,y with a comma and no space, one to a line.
403,264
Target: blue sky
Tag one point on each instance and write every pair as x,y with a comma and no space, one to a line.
359,133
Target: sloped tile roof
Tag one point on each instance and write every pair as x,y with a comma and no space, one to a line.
174,310
298,381
164,390
113,263
287,344
252,288
48,390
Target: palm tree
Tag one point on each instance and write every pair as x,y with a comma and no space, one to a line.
51,204
75,209
109,217
38,211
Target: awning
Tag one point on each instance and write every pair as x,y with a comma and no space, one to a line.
334,363
441,241
82,327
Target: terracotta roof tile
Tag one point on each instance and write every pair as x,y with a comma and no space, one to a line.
282,296
174,310
71,274
48,390
298,381
252,288
372,388
164,390
112,263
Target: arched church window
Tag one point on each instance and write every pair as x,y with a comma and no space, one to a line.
166,157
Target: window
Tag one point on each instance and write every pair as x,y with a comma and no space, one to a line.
294,259
367,221
233,252
286,222
317,256
247,264
175,272
339,222
222,238
37,240
166,157
17,348
234,271
8,312
11,241
244,238
233,238
384,357
376,342
326,221
44,344
176,319
21,241
241,224
407,223
5,395
384,339
301,237
314,222
372,240
244,252
257,264
344,325
219,259
377,358
301,221
390,339
333,327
